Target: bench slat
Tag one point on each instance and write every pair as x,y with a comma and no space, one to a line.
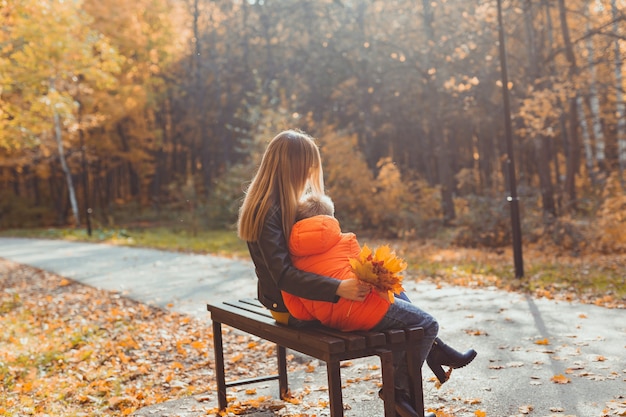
353,341
253,380
374,339
312,344
395,336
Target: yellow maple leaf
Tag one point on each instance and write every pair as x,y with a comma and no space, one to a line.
560,379
480,413
391,261
197,345
542,342
380,268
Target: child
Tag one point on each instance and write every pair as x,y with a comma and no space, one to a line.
317,245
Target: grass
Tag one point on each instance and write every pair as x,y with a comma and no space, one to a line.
219,242
548,271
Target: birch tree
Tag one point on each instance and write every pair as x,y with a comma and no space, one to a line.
584,130
572,147
539,135
51,48
620,112
594,101
440,136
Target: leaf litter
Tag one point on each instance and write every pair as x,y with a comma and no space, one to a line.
70,349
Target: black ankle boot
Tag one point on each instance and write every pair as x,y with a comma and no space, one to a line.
442,354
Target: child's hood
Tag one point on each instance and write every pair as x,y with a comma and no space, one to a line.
314,235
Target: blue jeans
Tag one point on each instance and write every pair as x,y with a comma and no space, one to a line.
403,314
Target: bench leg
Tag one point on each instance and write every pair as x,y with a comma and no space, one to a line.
415,380
283,384
386,364
219,365
334,389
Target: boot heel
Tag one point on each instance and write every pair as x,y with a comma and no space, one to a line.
441,354
438,371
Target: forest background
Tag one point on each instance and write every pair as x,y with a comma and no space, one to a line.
152,115
157,111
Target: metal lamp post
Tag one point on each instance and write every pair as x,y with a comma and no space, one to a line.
513,199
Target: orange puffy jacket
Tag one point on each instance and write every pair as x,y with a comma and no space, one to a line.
317,245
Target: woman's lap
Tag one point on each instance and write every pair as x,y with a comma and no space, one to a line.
403,314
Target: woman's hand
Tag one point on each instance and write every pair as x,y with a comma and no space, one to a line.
353,289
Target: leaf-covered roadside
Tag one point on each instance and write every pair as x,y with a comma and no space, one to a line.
549,271
72,350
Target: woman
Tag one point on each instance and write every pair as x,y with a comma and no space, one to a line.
291,167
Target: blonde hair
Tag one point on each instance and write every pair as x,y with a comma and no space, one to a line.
291,164
315,205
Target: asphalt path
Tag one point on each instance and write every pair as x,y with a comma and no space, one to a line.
524,344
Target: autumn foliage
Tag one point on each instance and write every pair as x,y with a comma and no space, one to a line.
156,110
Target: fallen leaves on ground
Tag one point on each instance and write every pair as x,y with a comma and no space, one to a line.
590,278
615,408
560,379
70,349
476,332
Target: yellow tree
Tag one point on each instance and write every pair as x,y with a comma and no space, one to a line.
49,56
151,35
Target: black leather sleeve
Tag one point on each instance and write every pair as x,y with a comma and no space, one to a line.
275,271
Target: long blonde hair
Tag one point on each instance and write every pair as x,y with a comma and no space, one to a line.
291,164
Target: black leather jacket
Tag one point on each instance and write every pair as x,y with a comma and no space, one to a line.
275,271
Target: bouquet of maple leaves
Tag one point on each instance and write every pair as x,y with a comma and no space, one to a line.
381,268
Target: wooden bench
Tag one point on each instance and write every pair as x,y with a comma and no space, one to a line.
322,343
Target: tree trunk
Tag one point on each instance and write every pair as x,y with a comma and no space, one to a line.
54,191
66,170
436,133
364,115
200,110
445,177
541,144
84,169
584,129
486,157
619,98
571,164
545,180
594,105
562,122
